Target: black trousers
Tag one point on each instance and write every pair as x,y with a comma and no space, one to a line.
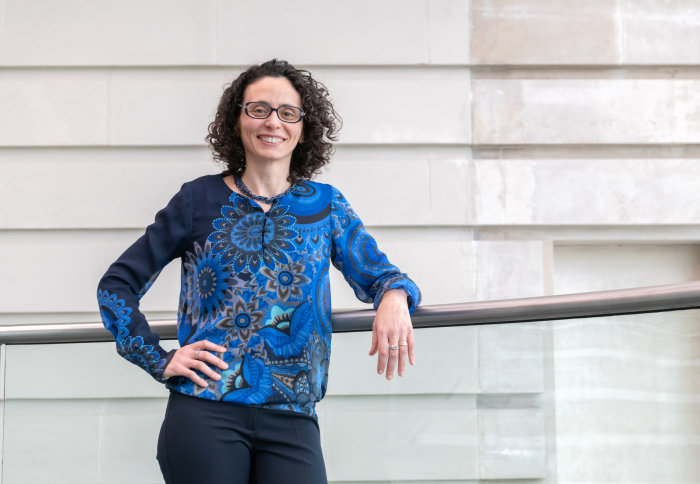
208,442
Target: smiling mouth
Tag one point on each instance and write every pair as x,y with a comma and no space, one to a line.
270,139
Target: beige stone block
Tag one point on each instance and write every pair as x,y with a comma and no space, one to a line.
163,108
510,269
600,267
660,33
92,188
408,444
73,32
53,108
512,444
389,106
417,253
126,107
511,358
586,191
70,264
53,441
451,192
170,107
392,32
448,26
388,186
96,371
383,191
342,295
544,32
446,364
538,111
125,187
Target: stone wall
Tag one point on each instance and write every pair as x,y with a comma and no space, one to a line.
495,148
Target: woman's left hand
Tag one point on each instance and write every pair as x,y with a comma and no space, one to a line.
392,329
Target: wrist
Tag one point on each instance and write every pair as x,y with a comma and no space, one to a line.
395,295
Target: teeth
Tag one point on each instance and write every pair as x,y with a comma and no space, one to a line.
271,139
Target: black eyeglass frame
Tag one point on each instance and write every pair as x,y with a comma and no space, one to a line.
245,109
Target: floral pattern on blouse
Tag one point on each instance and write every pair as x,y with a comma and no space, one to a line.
254,282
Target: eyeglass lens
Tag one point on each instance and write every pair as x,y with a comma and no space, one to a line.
260,110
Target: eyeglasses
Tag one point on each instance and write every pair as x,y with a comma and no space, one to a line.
261,110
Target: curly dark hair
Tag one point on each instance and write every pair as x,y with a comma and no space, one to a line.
321,122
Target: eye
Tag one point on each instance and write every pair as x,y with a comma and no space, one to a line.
289,113
258,109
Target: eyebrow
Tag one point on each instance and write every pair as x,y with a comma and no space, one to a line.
265,102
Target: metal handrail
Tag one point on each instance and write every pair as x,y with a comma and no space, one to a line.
671,297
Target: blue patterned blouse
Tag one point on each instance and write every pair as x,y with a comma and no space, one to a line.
254,282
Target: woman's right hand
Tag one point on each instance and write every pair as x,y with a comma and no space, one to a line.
195,357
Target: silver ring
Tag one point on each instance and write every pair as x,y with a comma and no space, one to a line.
403,343
394,347
196,354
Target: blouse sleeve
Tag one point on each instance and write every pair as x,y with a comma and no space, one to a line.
130,276
355,253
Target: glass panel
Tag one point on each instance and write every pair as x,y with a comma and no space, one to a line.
591,400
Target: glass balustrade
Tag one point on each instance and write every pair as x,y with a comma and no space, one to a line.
595,400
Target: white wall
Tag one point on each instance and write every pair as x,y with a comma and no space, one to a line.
566,131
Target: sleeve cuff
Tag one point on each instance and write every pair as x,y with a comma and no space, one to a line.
402,282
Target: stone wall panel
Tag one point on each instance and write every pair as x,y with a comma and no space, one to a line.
105,33
392,32
660,33
62,108
543,32
619,192
578,111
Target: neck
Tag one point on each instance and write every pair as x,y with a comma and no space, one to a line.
268,180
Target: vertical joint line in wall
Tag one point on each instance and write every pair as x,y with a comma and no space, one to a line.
110,76
548,267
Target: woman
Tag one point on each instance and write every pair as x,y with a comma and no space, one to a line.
254,321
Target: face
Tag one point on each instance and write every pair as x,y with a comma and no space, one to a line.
270,140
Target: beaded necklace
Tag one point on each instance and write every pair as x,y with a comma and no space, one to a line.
269,200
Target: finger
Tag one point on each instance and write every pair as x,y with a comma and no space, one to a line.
392,360
373,348
382,356
206,370
403,356
208,345
212,359
411,348
196,378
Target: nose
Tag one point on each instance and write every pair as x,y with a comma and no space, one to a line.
273,120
